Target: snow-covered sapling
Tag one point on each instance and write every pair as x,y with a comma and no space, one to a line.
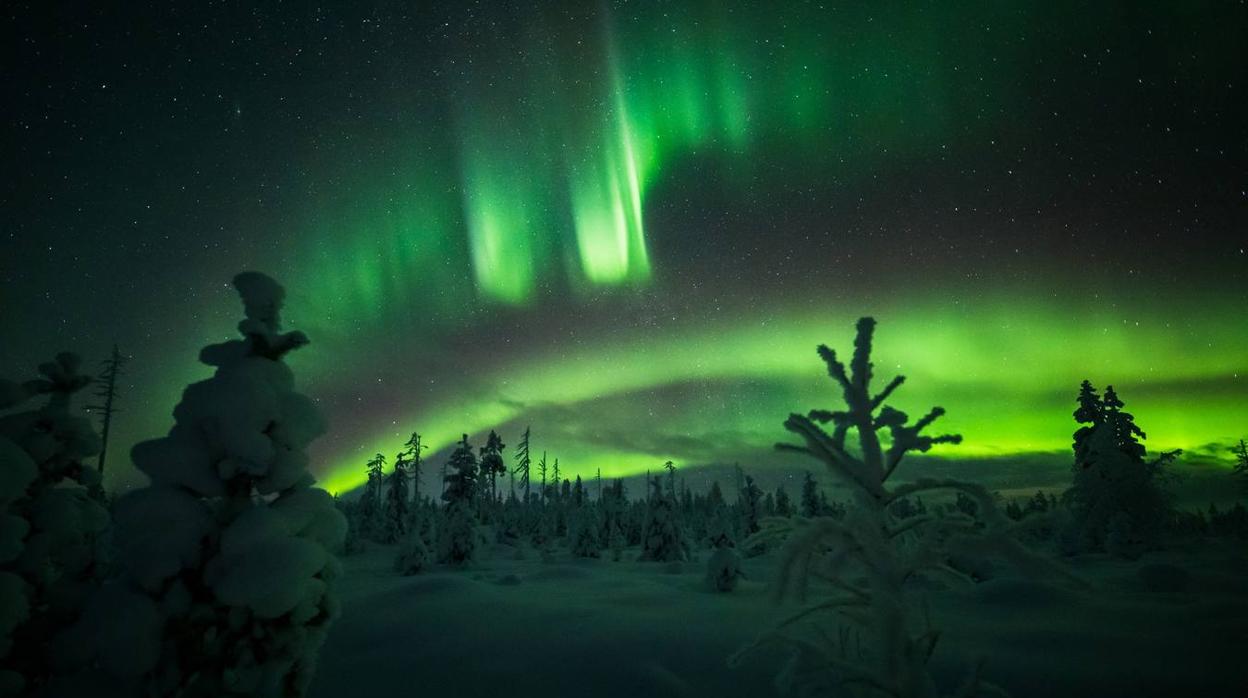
413,557
867,557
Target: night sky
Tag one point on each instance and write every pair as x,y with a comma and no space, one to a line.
628,224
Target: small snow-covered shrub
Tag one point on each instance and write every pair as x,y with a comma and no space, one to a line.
413,557
723,568
228,554
52,531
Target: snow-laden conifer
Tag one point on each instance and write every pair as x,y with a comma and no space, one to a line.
228,553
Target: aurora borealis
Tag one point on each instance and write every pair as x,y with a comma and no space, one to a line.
629,224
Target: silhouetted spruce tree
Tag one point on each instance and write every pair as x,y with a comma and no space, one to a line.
810,497
671,479
1038,504
784,505
715,497
1088,413
963,503
1013,510
107,394
661,538
413,556
541,472
510,523
229,572
415,463
751,506
1122,424
1117,499
523,463
723,567
394,527
492,464
826,508
457,539
1240,451
370,509
52,529
614,505
578,492
585,526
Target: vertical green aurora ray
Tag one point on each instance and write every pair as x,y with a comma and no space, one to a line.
502,213
506,148
373,251
558,145
606,197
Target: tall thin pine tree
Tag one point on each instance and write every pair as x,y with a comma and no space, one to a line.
107,392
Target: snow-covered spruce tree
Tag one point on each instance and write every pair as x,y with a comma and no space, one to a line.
510,526
523,465
662,539
784,505
584,534
52,548
1118,501
751,502
370,510
750,514
229,574
352,542
396,510
866,558
614,508
415,466
578,492
723,568
810,497
492,465
457,537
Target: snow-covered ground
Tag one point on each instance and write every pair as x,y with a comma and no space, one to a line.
517,626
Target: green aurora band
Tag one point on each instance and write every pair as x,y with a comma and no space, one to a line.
1009,388
556,156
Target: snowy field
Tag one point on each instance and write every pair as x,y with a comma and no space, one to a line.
513,625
